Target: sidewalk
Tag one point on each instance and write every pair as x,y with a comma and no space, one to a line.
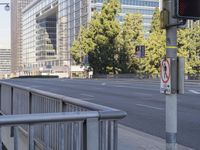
130,139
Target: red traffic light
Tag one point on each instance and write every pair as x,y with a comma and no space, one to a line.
188,9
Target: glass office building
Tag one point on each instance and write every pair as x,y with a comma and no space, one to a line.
144,7
51,26
46,38
49,29
5,61
16,31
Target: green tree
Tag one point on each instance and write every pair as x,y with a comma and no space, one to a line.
195,54
155,47
105,29
185,47
99,39
155,24
82,45
188,47
130,36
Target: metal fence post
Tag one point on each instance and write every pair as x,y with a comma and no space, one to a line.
16,138
12,102
76,136
1,144
0,96
31,143
92,134
115,134
109,135
62,137
69,136
46,137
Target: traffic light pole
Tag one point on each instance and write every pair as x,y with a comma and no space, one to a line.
171,100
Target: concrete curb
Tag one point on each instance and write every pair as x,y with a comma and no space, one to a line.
131,139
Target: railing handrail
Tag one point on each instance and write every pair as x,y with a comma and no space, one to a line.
104,111
46,117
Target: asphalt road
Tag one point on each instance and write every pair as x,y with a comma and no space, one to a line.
141,99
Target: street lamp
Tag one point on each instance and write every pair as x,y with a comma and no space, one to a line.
7,7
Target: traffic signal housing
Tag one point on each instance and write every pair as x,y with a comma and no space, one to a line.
188,9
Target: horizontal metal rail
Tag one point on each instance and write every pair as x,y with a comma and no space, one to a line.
90,119
46,117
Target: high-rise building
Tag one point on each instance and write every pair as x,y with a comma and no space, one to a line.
50,27
144,7
5,61
16,38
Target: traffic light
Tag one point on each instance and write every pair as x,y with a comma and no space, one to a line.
188,9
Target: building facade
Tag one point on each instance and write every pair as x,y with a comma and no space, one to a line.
5,62
49,29
51,26
144,7
16,38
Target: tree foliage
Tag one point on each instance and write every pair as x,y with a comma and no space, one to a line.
130,36
155,47
102,34
111,45
188,47
155,24
104,57
82,45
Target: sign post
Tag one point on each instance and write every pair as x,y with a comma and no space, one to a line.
169,75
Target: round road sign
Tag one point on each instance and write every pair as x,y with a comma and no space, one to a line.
165,71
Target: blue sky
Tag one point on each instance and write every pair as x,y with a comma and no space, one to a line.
4,26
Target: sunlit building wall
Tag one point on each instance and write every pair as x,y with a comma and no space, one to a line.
49,29
16,38
5,61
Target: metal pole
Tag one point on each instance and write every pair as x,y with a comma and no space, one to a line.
16,138
1,144
31,142
171,100
92,134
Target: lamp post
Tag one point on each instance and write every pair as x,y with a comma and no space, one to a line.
7,7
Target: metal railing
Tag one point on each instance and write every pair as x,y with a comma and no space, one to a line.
76,124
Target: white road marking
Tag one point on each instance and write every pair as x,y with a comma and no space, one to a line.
122,83
103,83
194,92
87,95
87,99
133,87
121,86
147,106
142,94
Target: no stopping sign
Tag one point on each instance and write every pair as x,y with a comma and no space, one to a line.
165,76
